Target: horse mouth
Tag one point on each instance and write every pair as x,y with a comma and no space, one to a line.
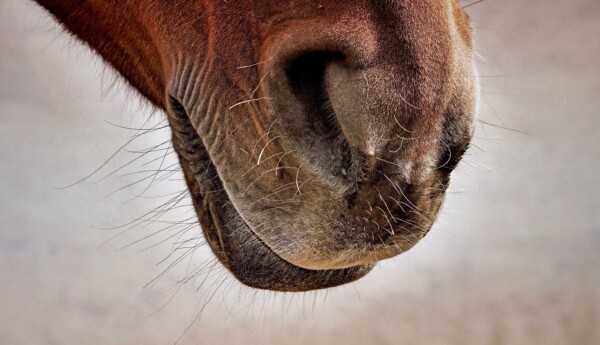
252,262
336,183
230,238
331,237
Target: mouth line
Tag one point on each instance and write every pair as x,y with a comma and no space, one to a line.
266,269
218,231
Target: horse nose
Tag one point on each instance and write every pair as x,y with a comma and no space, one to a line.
320,89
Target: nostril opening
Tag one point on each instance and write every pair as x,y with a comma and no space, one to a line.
305,76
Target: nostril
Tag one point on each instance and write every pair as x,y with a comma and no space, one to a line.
306,78
318,126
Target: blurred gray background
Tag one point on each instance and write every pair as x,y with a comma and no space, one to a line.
513,259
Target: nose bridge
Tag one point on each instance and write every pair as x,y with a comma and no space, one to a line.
414,58
403,81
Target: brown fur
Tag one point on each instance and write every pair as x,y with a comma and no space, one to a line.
316,137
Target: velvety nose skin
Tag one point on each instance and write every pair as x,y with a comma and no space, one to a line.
355,108
350,117
360,104
353,105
